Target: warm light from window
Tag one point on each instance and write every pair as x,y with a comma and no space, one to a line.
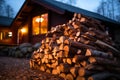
39,19
40,24
10,34
1,35
23,30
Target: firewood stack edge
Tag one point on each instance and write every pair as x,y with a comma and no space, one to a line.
78,50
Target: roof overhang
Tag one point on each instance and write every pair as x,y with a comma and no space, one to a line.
50,6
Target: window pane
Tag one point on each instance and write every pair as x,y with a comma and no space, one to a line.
35,27
44,23
40,24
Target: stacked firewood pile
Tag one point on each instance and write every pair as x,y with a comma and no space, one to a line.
78,50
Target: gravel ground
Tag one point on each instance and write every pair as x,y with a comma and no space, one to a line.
18,69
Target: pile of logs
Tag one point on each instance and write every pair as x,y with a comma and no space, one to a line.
78,50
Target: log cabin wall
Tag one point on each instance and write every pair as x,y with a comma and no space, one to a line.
58,19
5,30
24,35
117,35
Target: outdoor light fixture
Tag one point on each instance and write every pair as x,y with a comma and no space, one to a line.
23,30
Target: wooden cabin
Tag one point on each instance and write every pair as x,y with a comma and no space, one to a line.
36,17
5,31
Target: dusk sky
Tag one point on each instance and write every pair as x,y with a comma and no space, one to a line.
90,5
15,4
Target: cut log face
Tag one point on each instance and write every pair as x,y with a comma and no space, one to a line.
77,50
69,77
74,71
78,58
80,78
63,75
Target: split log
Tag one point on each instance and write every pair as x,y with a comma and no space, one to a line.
80,78
69,61
104,61
101,43
70,51
109,46
55,71
50,56
84,63
48,65
95,67
31,63
48,70
99,34
74,71
83,72
61,47
54,65
63,75
64,67
77,65
64,60
78,58
69,77
61,54
80,45
35,55
62,39
90,52
42,67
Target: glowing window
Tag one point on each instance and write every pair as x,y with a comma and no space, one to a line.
5,35
40,24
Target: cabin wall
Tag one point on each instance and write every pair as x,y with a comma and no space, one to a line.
24,35
117,35
14,29
58,19
5,41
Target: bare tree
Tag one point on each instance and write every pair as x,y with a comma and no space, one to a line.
9,11
109,8
5,9
2,4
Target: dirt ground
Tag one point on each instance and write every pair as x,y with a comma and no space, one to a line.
18,69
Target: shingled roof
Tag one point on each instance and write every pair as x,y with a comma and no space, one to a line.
55,5
5,21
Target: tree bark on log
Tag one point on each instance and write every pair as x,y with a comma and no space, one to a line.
104,61
80,45
83,72
91,52
103,76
